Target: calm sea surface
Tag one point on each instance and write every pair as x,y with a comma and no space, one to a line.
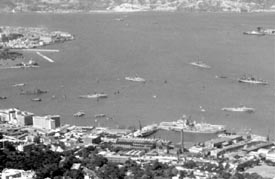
157,47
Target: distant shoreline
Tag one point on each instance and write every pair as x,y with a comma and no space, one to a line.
139,11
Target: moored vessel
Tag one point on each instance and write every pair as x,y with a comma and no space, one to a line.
146,131
189,126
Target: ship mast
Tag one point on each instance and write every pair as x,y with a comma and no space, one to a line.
182,140
140,127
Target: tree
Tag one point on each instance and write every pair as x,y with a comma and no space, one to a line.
109,171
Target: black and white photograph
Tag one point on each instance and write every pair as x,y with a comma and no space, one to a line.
137,89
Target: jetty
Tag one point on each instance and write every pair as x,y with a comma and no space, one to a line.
45,57
38,50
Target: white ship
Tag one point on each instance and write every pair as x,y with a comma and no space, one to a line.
94,96
200,64
261,31
239,109
188,126
253,32
136,79
252,80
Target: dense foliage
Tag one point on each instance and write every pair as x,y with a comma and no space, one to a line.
47,163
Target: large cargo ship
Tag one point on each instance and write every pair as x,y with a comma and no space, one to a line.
188,126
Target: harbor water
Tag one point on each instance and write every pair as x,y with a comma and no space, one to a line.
157,47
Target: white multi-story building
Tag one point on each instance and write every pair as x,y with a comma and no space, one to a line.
46,122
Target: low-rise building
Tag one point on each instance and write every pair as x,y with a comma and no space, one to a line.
15,173
91,139
25,147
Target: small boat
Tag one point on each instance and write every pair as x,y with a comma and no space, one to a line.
200,64
37,99
79,114
239,109
100,115
136,79
18,85
94,96
253,32
3,97
119,19
33,92
252,80
221,76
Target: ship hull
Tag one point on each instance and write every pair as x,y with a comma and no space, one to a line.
253,82
147,134
200,65
193,131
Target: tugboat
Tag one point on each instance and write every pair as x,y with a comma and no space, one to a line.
239,109
200,64
94,96
136,79
252,80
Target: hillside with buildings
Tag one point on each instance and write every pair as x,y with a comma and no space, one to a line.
62,6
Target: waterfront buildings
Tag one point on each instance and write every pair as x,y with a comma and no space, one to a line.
46,122
17,117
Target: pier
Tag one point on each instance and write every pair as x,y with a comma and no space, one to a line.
40,50
45,57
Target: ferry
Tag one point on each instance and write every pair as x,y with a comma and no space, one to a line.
188,126
94,96
200,64
146,131
252,80
136,79
239,109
